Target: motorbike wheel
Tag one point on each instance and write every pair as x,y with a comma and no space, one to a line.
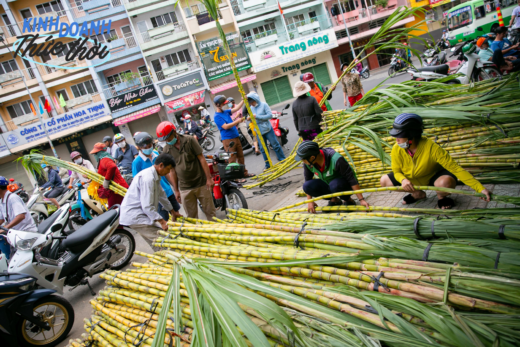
237,200
75,219
24,197
209,144
56,311
40,217
391,71
128,240
366,74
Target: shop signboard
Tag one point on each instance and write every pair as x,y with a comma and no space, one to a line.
182,85
435,3
132,98
186,101
297,49
55,125
216,61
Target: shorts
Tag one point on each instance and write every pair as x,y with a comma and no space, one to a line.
55,192
442,172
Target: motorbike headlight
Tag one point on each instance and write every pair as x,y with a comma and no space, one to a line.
26,245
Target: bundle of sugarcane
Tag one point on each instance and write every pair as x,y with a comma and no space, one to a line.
32,163
189,298
479,127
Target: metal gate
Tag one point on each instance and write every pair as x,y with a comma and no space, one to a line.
276,91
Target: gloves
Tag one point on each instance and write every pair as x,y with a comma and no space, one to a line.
106,184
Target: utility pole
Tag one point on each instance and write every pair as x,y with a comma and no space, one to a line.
32,100
346,29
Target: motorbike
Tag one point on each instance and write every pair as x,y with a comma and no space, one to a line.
206,142
396,65
514,36
30,316
17,188
365,73
42,209
472,68
58,259
84,208
226,192
437,59
280,132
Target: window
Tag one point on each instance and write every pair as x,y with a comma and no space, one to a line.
26,13
104,37
480,12
53,6
460,18
84,88
164,19
178,58
117,78
297,20
21,109
8,66
68,47
246,35
264,30
63,92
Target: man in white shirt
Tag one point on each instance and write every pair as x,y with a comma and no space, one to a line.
78,159
139,207
109,142
13,210
514,22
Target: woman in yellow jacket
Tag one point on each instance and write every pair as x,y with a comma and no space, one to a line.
417,160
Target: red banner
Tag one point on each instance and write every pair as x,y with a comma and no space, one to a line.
185,102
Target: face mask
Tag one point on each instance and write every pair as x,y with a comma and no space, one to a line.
404,145
172,142
122,144
78,161
147,151
46,169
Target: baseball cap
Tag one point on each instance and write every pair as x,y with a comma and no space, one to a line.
306,150
98,147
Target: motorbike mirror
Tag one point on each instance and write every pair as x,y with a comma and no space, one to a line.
120,158
287,106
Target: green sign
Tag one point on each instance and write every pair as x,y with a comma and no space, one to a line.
216,62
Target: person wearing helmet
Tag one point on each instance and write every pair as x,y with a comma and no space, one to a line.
55,182
77,158
191,128
107,140
108,169
139,207
13,210
327,172
317,90
262,113
418,161
229,131
125,154
502,42
352,87
146,159
190,178
242,126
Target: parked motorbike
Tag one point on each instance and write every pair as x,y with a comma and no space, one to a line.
31,316
17,188
84,208
226,192
206,141
514,36
472,69
42,209
280,132
57,259
437,59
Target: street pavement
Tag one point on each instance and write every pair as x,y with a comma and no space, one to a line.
263,198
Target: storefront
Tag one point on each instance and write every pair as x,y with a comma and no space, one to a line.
184,94
278,68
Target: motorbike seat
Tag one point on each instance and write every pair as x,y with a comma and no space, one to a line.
83,237
46,224
440,69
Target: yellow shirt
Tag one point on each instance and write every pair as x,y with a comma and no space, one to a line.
426,162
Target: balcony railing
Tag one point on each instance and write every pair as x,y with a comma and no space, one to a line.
22,121
8,31
202,17
61,61
15,77
175,70
163,31
117,88
84,8
308,26
82,101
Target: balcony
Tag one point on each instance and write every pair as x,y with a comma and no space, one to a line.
308,26
364,15
137,7
163,38
86,11
175,70
81,101
12,81
23,121
49,73
9,31
267,38
202,21
122,50
117,88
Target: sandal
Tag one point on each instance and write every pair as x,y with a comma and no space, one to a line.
240,181
250,175
331,203
446,202
409,199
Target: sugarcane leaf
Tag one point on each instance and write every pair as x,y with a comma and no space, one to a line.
158,340
177,310
476,341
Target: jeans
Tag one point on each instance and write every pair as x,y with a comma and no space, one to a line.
317,187
166,214
271,137
5,247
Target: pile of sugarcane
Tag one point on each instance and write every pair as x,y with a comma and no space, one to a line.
479,126
32,162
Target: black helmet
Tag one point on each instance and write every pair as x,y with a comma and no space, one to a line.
143,139
407,125
343,65
107,138
220,100
230,99
306,150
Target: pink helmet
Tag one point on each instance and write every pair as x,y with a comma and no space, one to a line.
74,155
